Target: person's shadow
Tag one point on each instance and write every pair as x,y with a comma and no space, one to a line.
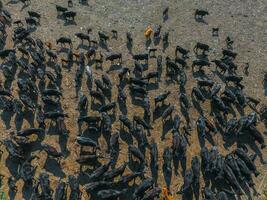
265,87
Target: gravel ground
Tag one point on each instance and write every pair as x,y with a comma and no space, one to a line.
245,21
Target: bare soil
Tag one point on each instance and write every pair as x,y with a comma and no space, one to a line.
245,21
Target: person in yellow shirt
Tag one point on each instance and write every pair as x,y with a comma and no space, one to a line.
166,194
148,32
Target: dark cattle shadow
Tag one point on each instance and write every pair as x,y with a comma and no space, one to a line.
137,99
246,139
60,17
29,117
148,42
153,86
135,165
201,140
89,83
197,106
201,20
188,194
156,40
108,93
137,73
220,75
2,42
91,134
24,58
185,115
107,135
167,126
52,128
93,164
167,175
154,173
27,191
80,129
52,166
256,149
36,145
183,164
159,70
95,106
113,116
41,85
165,46
228,139
114,68
114,157
13,166
99,66
6,118
69,23
103,45
68,66
145,65
83,178
220,117
219,129
83,46
165,18
210,138
230,109
177,161
63,140
91,62
240,109
122,84
122,107
78,85
126,136
22,74
50,63
171,79
63,49
129,193
83,112
11,194
157,113
206,176
8,83
19,121
200,74
147,117
32,28
222,185
195,188
202,56
129,47
51,107
246,189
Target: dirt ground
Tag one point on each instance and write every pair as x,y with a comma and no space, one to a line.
245,21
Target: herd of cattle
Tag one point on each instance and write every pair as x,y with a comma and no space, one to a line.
37,71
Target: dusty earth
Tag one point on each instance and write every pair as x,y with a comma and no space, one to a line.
245,21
